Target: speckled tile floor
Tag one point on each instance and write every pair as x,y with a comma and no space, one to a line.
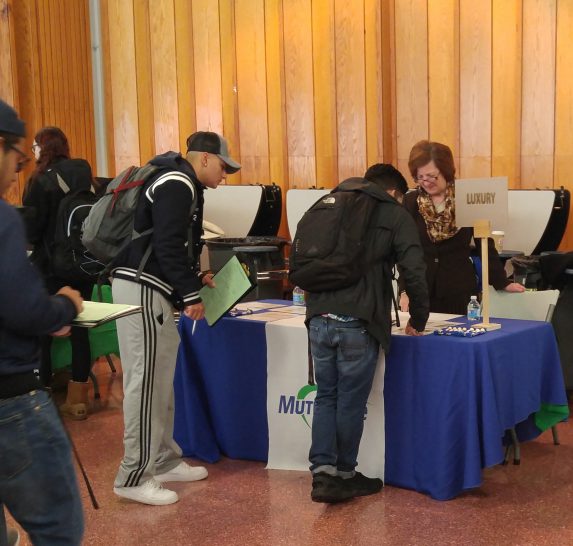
242,503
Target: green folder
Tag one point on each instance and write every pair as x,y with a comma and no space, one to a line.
231,284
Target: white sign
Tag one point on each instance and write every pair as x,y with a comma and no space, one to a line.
481,199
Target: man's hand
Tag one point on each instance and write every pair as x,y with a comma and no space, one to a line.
73,295
411,331
195,311
208,280
404,303
64,331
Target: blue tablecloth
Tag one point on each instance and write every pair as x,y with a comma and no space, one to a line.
448,401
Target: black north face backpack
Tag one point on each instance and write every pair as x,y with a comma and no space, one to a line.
327,252
70,260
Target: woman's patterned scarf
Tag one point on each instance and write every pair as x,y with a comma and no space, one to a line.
439,225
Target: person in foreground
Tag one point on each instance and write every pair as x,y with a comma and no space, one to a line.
171,204
37,479
347,329
450,272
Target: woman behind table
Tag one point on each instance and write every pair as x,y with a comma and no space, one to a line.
43,196
450,272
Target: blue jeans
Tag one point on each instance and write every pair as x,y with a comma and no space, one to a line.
345,357
37,477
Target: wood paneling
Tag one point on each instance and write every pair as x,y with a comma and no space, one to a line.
324,81
307,91
229,94
350,89
475,88
538,115
506,91
373,76
123,84
411,77
164,82
252,91
564,107
207,63
443,73
299,92
144,82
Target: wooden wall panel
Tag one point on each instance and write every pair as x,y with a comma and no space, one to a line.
475,88
443,73
8,71
307,91
299,92
564,107
538,117
144,82
185,71
324,81
506,91
207,62
252,91
164,70
123,84
373,76
350,89
274,46
229,94
411,77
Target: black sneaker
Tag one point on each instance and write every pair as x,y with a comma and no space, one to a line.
327,488
363,486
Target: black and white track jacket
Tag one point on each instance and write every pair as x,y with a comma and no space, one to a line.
166,205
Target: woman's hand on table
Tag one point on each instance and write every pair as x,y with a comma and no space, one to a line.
514,287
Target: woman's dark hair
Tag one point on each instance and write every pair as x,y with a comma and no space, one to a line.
53,146
425,151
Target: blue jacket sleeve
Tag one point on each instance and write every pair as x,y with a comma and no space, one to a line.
25,305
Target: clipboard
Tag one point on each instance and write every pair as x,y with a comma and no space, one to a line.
232,283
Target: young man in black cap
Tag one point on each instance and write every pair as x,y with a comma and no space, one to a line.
171,205
37,478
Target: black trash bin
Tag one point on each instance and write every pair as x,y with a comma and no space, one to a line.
263,256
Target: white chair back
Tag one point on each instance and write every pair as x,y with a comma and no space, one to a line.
535,305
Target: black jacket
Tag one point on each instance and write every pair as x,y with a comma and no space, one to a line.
450,272
165,204
392,238
41,201
26,309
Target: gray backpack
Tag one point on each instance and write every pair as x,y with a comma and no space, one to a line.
108,228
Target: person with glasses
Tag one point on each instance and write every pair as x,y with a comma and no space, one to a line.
38,483
447,248
42,197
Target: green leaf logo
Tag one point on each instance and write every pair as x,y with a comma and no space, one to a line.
302,394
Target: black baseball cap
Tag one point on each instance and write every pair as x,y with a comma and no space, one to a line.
212,143
10,122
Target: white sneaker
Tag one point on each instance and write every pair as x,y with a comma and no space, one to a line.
183,473
149,492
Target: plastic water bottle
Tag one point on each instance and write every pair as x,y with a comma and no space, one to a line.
298,296
474,309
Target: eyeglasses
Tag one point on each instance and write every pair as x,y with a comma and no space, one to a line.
24,158
430,177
